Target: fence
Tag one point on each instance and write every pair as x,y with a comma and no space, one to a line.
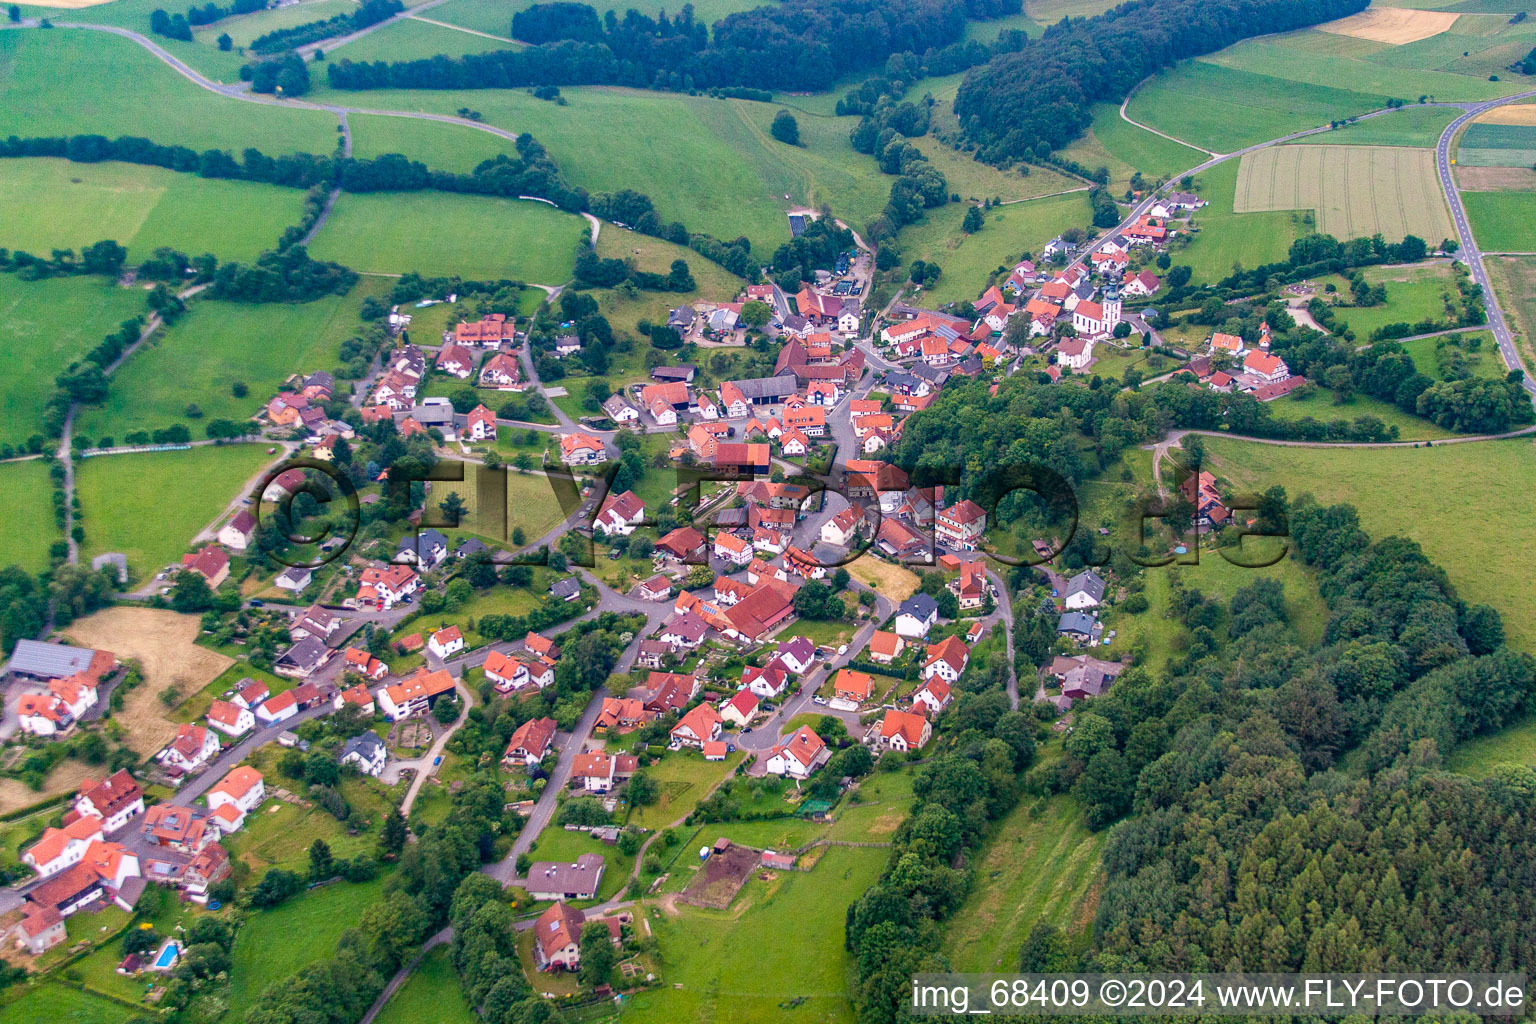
125,449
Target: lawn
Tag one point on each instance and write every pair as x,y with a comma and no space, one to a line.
149,506
431,994
715,283
476,237
530,503
1041,865
48,325
1225,237
1413,294
272,944
48,204
1483,360
1357,191
1409,126
215,346
27,506
710,979
896,582
441,146
130,92
1225,108
1123,148
1428,494
1502,221
684,778
968,260
557,845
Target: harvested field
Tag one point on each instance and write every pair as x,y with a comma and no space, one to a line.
1495,179
893,581
1393,25
1512,113
162,642
1357,191
65,778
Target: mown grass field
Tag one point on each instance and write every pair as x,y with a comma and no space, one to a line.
684,778
441,146
26,503
410,39
1502,221
1497,145
48,325
715,283
1224,108
150,505
531,504
1357,191
1319,404
1409,126
272,944
1041,865
1225,237
48,204
1115,143
200,358
476,237
495,16
1432,495
57,1002
1009,231
1483,361
431,994
130,92
709,978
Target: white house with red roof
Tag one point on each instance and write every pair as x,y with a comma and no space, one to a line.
530,742
1267,368
43,714
620,514
739,710
381,588
364,664
798,755
502,372
60,848
456,361
885,647
231,719
243,789
961,525
697,727
1074,353
902,730
934,696
580,449
445,643
277,709
732,549
946,659
193,747
115,800
481,424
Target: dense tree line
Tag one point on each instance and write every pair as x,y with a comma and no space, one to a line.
287,74
179,26
1030,102
797,44
370,13
288,276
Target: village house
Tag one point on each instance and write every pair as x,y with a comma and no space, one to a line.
738,711
946,659
43,714
115,800
239,531
1074,353
620,514
798,755
415,695
384,587
621,714
961,525
1203,493
620,411
852,687
193,747
903,731
357,696
669,691
502,372
561,880
557,938
933,697
530,743
366,753
60,848
303,659
106,872
211,563
580,449
277,709
360,662
767,682
1265,368
1085,590
684,544
480,425
243,790
489,331
697,727
599,772
230,719
39,930
916,615
885,647
456,361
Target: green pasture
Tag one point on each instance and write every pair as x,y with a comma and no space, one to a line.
1409,126
439,145
131,92
149,505
410,39
432,993
1502,221
435,233
26,505
1413,294
1221,238
1482,361
216,345
1113,142
48,204
48,325
1318,403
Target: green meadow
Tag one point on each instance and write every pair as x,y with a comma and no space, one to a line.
410,39
48,325
1409,126
214,346
1114,143
436,233
149,505
48,204
1502,221
131,92
1224,237
26,503
439,145
431,994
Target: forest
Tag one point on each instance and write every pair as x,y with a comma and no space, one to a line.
1028,103
804,45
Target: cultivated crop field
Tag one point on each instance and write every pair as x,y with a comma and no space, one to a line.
1357,191
149,506
53,203
1435,492
1497,145
1514,283
48,325
1392,24
433,233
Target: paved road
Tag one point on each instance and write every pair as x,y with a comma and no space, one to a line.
1469,251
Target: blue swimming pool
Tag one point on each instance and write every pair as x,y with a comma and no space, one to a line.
167,957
